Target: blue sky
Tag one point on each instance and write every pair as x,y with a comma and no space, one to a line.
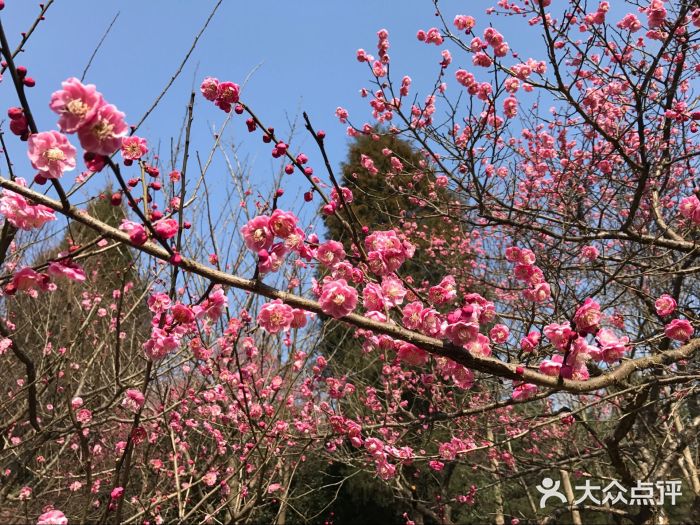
305,51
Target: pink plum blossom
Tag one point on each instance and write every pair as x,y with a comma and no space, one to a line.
103,134
21,213
665,305
257,234
276,316
330,253
137,232
133,148
282,223
679,330
524,391
51,153
52,517
587,317
67,269
133,400
337,298
166,228
76,104
612,347
210,88
27,280
499,333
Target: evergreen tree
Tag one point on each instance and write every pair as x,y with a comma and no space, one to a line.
395,192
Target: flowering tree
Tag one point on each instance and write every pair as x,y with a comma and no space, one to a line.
554,334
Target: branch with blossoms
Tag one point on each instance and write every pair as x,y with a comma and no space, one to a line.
334,307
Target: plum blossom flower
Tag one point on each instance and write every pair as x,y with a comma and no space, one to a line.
524,391
51,153
444,292
103,134
272,260
461,332
499,333
161,343
257,234
590,253
66,268
373,301
133,148
25,493
587,317
330,253
612,347
530,342
166,228
539,293
559,334
133,400
137,232
690,209
387,252
679,330
282,223
214,306
337,298
552,367
21,213
479,346
28,280
412,355
464,23
210,88
183,314
5,344
298,318
52,517
84,416
76,104
393,290
665,305
158,302
227,93
276,316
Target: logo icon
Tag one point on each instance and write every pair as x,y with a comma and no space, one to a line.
549,489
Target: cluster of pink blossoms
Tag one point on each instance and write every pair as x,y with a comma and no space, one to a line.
464,22
384,455
21,213
222,94
526,271
276,316
598,17
82,109
171,323
386,252
260,233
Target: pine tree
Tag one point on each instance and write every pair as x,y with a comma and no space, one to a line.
381,201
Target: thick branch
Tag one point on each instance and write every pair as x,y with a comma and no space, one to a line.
434,346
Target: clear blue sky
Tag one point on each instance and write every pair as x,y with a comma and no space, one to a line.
305,49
